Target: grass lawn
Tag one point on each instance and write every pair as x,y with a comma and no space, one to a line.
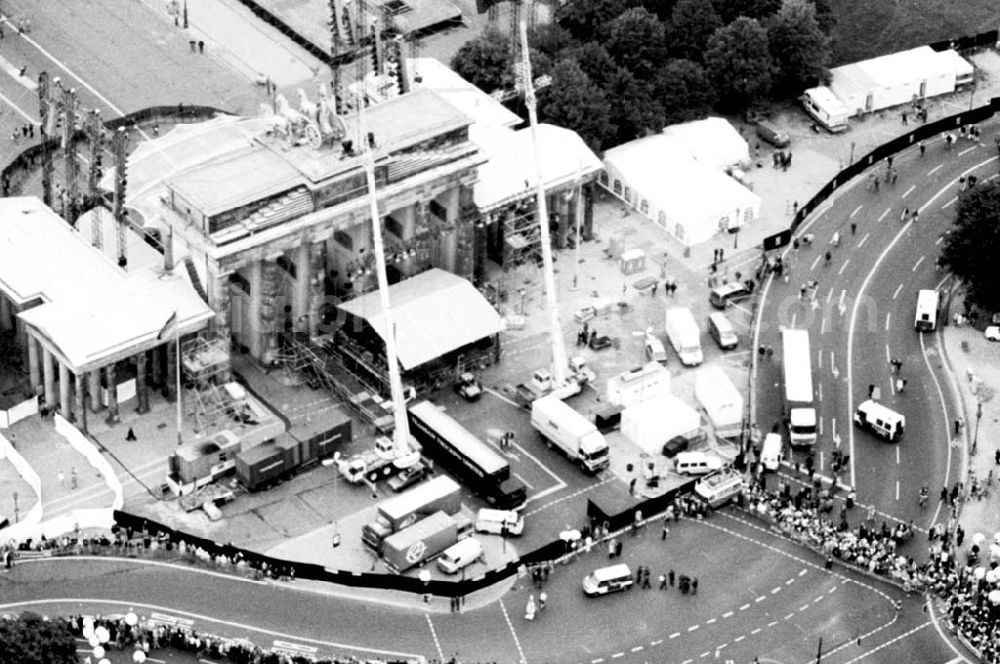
868,28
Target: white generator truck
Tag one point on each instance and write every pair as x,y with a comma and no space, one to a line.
797,369
571,432
684,335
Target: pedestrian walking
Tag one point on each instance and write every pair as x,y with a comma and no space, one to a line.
923,148
958,431
670,578
944,494
542,600
529,609
201,46
666,530
694,586
645,580
656,284
914,215
903,117
871,514
663,581
130,435
900,385
854,228
996,457
828,257
72,478
871,390
904,215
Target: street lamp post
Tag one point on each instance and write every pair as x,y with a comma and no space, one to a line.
17,514
185,18
979,416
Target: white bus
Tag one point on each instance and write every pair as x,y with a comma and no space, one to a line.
797,370
927,310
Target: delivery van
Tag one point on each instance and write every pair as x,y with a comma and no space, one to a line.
719,488
721,329
607,580
696,463
499,522
460,555
880,420
771,452
722,296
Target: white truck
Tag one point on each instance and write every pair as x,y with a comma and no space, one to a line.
571,432
826,108
797,369
684,335
722,402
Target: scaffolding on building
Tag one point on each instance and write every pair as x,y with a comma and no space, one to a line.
209,394
522,238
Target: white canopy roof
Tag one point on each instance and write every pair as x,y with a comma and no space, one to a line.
434,312
92,311
712,141
889,71
662,170
510,172
461,94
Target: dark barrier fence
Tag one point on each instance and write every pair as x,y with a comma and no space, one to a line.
623,519
920,133
31,157
968,42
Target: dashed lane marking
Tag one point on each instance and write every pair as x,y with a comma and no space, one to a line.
803,607
789,616
896,294
775,591
727,614
437,644
674,635
909,191
572,495
772,623
815,263
760,599
705,654
803,572
818,599
917,264
656,642
865,239
883,645
618,655
744,607
693,628
856,210
967,150
949,203
756,631
739,638
597,661
789,582
935,169
843,267
884,214
635,649
710,621
510,625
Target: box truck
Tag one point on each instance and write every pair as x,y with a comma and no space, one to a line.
420,542
797,371
722,402
571,432
441,494
464,455
684,335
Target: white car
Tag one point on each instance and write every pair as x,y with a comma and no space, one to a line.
992,333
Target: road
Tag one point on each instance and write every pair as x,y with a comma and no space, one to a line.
863,316
777,607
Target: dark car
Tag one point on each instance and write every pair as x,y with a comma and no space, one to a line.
409,476
772,134
600,342
675,446
468,387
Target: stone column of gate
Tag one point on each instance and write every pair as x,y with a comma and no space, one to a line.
141,388
94,387
34,370
317,286
301,289
48,376
269,311
221,303
4,313
449,239
81,401
421,226
65,407
109,376
169,390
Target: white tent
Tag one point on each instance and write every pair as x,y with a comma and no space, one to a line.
712,141
658,176
652,423
722,402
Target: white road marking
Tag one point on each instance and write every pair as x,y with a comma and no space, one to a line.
523,481
897,490
789,582
803,607
909,191
822,326
739,638
865,238
793,319
727,614
843,267
819,358
674,635
755,631
437,644
883,215
772,623
967,150
597,661
775,591
939,240
803,572
897,456
856,210
656,642
298,648
818,599
510,625
760,599
814,263
829,296
935,169
896,294
888,356
710,621
744,607
888,316
819,387
833,364
840,302
618,655
917,264
635,649
693,628
18,109
949,203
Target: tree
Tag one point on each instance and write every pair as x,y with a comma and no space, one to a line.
800,50
972,249
588,20
637,41
691,24
685,91
485,61
595,62
550,38
662,8
635,111
740,63
825,16
574,102
730,10
29,639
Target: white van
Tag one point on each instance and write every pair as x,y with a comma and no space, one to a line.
684,335
925,319
771,453
460,555
881,421
696,463
608,580
719,488
499,522
721,329
655,352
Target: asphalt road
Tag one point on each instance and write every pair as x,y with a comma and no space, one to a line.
759,595
863,316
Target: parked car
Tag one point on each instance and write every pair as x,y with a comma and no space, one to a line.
600,342
675,446
771,134
992,333
468,387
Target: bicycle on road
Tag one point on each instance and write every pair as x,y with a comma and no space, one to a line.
924,495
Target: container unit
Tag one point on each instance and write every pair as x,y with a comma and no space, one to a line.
292,449
204,460
394,514
722,402
640,384
261,466
420,542
652,423
570,431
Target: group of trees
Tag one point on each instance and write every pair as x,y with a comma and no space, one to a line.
624,68
31,639
972,249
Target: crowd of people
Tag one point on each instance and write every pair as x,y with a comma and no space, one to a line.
966,580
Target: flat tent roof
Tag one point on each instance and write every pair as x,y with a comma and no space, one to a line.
434,313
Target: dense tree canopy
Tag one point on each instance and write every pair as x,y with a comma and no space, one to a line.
800,50
637,42
730,10
588,20
740,63
692,23
551,38
635,111
685,91
31,640
574,102
972,249
485,61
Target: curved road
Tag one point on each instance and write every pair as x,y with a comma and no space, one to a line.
863,316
